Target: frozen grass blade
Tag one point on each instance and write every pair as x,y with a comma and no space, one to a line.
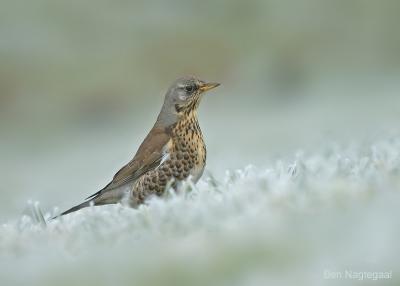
37,214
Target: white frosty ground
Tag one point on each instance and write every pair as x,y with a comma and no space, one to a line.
331,211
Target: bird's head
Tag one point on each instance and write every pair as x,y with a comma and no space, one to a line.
182,98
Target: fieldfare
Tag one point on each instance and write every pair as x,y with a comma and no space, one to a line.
172,152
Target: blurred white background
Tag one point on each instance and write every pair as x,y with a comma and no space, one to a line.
81,83
312,84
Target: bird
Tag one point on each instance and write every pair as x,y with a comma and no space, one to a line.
172,152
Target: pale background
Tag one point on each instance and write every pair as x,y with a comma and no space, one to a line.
81,83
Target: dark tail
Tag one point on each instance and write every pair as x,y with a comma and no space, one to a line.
74,209
98,199
78,207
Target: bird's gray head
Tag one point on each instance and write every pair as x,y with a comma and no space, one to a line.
182,98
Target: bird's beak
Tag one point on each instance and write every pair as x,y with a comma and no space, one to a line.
207,86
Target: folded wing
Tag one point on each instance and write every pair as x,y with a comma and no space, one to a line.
148,157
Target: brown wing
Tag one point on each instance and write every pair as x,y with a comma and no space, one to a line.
148,157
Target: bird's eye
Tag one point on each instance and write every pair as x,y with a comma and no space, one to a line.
189,88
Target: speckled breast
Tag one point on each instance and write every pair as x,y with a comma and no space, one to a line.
187,158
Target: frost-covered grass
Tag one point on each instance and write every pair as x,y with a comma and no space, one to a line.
335,209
